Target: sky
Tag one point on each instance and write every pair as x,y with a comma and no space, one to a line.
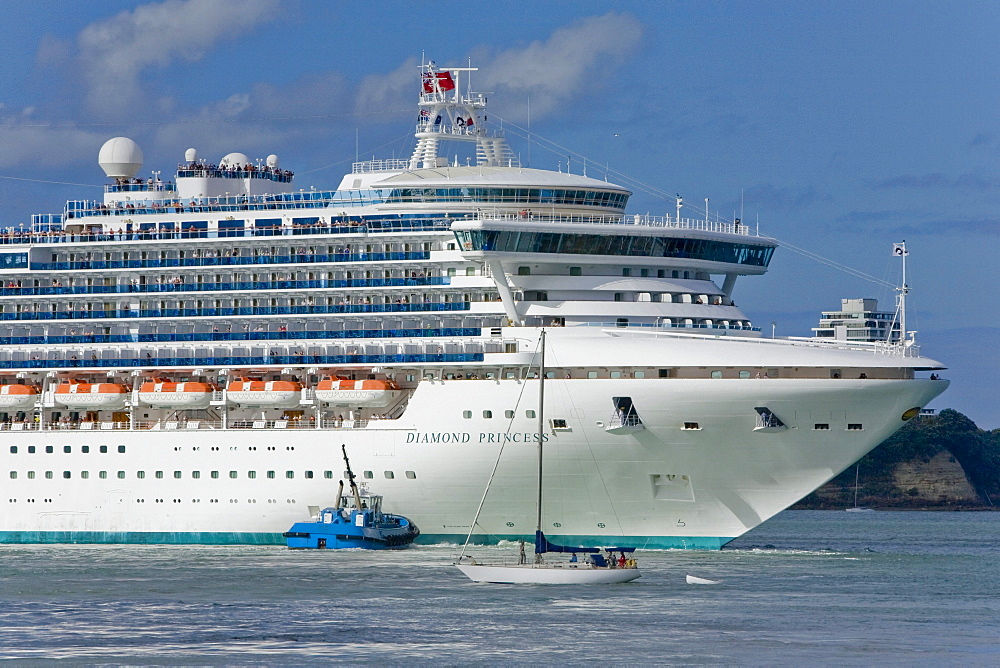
839,128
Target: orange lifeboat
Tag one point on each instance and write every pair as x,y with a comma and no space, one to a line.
18,396
344,392
78,394
251,392
171,394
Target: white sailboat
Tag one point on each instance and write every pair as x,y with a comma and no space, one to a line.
856,509
594,568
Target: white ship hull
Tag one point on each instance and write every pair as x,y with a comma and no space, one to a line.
661,487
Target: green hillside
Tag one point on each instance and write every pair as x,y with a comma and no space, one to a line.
943,461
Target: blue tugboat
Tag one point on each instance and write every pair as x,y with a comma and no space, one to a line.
357,521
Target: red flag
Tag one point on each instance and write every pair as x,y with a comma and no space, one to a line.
444,81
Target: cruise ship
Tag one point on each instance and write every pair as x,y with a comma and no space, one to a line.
182,360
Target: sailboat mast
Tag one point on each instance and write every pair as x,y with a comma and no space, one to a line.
541,425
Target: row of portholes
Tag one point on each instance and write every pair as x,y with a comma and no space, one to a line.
508,414
85,449
215,475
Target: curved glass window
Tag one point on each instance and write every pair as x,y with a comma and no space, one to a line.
527,196
510,241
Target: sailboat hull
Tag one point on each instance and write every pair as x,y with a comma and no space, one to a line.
566,573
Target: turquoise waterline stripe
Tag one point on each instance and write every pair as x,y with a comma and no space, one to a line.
248,538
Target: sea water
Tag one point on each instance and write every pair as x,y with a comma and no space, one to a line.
916,588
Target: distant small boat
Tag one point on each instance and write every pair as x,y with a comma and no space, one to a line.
693,580
856,508
357,521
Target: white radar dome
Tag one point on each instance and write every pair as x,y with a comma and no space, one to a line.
234,160
272,161
120,158
191,155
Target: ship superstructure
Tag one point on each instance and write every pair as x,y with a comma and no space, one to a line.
183,359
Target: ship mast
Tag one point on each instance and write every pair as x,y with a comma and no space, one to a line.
448,114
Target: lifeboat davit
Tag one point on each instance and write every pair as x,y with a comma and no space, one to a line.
343,392
18,396
247,392
78,394
171,394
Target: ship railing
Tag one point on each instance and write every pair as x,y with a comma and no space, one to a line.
342,226
370,166
159,186
667,222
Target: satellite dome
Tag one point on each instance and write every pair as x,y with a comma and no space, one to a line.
234,160
191,155
120,158
272,161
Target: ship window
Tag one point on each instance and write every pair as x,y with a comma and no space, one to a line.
48,449
470,271
215,475
412,475
716,374
451,271
508,414
140,474
575,271
31,449
834,373
102,475
309,475
159,475
529,413
84,449
389,475
644,272
121,449
591,374
661,273
85,474
626,271
855,427
67,448
177,474
744,374
121,475
328,475
13,449
234,475
691,425
252,475
820,426
616,374
104,449
13,475
270,475
289,474
48,474
487,414
31,475
368,475
559,424
524,271
467,415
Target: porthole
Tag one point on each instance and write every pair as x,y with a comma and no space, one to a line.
467,415
389,475
487,414
412,475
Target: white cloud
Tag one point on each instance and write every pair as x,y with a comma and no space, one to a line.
114,52
580,57
577,58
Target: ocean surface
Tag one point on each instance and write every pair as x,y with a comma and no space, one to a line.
807,587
